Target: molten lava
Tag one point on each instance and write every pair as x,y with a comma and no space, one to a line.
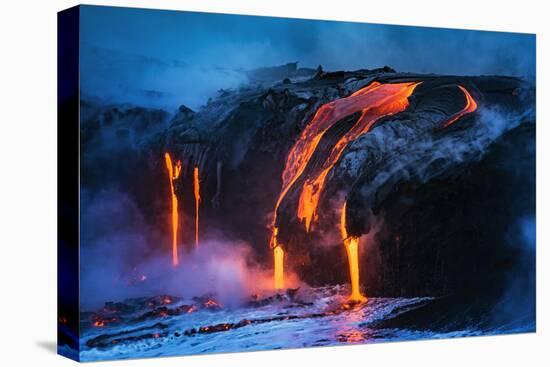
386,100
173,174
470,107
278,255
303,149
373,101
210,303
351,243
197,190
100,321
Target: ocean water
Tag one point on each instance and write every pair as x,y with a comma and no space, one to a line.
319,317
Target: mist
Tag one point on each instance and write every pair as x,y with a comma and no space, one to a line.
121,257
157,58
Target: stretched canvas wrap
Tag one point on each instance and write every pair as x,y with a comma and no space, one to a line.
233,183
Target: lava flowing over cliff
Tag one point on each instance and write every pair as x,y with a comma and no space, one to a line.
222,204
173,174
378,180
371,102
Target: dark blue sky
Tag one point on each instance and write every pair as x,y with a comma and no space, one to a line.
166,58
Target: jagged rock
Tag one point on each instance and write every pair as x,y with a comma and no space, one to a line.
269,100
318,72
184,114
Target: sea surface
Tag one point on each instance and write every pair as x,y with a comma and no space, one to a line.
170,326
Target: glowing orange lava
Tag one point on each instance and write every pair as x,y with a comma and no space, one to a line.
278,255
197,190
470,107
173,174
352,244
210,303
99,323
373,101
304,148
386,100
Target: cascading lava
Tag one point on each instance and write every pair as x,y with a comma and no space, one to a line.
174,172
373,102
278,255
197,192
352,250
386,100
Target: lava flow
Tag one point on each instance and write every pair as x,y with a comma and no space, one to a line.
373,101
197,191
470,107
278,255
173,174
352,246
387,100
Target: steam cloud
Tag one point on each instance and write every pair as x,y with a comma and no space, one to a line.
400,151
118,260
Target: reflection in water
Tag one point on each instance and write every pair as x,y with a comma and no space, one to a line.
349,330
281,323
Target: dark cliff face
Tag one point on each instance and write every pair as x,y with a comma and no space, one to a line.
460,231
442,207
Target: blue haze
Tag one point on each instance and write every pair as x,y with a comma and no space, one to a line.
165,58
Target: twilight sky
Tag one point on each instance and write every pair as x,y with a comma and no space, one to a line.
166,58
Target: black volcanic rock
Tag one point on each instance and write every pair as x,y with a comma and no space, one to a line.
184,114
440,206
100,123
269,75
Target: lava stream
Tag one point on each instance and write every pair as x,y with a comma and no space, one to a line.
470,107
305,146
278,256
387,100
352,249
197,190
173,174
374,101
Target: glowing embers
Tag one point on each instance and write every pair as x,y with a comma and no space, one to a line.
352,250
99,321
278,259
470,107
173,174
197,192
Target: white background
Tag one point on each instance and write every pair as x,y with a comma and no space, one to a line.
28,182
